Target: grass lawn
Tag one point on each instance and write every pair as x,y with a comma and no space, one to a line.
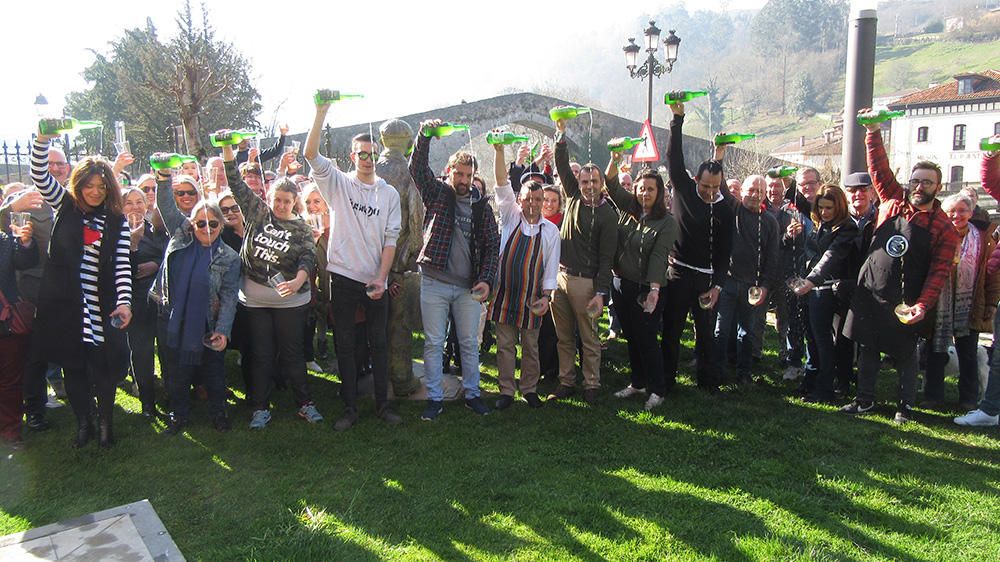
749,475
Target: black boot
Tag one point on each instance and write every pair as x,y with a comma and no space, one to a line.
105,437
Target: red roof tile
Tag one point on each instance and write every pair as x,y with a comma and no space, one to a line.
989,87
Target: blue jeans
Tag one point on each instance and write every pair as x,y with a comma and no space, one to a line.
437,299
735,313
991,402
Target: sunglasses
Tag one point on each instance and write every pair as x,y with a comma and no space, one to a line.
202,224
185,192
149,188
367,155
231,209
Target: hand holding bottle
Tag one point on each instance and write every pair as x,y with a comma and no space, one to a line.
677,108
561,126
522,154
992,142
867,112
429,124
720,151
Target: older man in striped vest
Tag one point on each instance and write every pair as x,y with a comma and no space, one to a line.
529,264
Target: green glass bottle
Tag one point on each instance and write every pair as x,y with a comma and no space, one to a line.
782,171
165,160
226,137
621,144
881,116
330,96
566,113
185,158
444,129
733,138
533,153
65,125
986,146
505,138
671,98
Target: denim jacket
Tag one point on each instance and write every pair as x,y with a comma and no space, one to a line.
224,270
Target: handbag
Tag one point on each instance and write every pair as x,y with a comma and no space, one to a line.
15,319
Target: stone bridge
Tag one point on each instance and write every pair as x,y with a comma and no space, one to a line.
523,112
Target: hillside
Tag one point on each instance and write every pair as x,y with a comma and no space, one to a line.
929,59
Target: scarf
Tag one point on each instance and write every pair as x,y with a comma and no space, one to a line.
955,303
189,278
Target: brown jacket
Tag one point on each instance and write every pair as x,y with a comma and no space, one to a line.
987,291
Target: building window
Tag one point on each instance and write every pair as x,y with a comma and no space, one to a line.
958,141
922,134
996,128
957,174
965,86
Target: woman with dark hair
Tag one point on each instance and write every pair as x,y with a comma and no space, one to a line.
548,344
646,233
85,298
828,249
965,308
147,245
196,293
278,259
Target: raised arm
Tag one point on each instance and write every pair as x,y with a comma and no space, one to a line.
570,186
420,169
622,198
504,189
250,203
675,151
47,185
990,171
165,204
878,165
277,148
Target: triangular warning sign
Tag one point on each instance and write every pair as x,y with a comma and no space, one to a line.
647,151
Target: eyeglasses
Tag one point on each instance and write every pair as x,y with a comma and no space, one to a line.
185,192
367,155
922,183
148,188
202,224
58,164
231,209
853,188
809,183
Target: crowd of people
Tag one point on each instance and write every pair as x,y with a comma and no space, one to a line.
98,277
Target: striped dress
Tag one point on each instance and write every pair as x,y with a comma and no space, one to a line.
520,283
55,195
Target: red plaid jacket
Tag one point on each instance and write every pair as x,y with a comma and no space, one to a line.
944,237
439,220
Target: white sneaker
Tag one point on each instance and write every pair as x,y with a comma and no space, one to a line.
978,418
792,373
53,402
653,401
314,366
629,391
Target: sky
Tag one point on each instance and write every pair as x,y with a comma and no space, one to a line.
403,56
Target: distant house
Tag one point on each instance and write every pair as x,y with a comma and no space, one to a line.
822,153
944,123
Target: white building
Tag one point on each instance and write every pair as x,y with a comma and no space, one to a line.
944,124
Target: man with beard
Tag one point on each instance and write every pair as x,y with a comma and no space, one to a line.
911,254
458,263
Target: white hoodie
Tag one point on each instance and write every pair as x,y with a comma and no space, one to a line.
364,218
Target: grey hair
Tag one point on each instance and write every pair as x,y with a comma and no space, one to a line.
949,202
210,206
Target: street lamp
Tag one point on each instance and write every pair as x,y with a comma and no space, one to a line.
651,67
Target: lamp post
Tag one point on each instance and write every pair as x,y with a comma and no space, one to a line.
651,67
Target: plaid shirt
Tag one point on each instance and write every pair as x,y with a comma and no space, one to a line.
944,237
439,220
